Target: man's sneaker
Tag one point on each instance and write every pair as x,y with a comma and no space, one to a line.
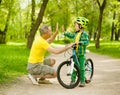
34,81
44,81
82,84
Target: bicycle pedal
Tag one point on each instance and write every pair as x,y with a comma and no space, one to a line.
68,74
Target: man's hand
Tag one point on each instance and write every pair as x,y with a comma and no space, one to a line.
69,45
51,39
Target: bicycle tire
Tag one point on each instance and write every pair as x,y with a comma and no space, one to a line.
89,69
62,74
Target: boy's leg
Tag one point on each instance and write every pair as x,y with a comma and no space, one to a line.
73,77
82,70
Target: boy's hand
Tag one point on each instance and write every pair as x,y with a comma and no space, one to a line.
78,43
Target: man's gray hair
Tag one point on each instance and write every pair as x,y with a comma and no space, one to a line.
44,29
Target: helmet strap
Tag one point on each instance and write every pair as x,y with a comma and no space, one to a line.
80,27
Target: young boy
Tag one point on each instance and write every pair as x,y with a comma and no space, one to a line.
80,35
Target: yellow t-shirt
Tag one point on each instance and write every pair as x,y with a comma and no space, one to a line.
77,39
38,50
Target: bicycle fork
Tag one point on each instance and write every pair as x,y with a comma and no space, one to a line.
70,68
73,60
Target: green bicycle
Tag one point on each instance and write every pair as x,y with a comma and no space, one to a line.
66,68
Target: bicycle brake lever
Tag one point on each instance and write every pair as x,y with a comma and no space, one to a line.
80,43
74,45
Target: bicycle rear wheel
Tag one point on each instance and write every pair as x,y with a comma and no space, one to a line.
89,70
64,78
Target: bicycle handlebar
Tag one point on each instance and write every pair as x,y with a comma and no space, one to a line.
74,45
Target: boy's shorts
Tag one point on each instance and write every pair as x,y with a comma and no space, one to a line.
40,69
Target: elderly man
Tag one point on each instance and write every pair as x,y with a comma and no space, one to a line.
38,67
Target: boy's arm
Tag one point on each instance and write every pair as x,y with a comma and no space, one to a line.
67,34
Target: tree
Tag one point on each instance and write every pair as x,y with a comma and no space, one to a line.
116,20
113,26
8,6
37,23
33,13
101,9
117,23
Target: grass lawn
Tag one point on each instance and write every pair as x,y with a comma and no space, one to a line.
13,58
107,48
13,61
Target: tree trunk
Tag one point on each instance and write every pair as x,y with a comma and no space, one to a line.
0,1
26,27
97,44
99,30
116,35
113,27
95,34
37,23
2,37
4,32
33,13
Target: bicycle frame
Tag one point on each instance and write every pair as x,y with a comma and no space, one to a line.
73,61
75,58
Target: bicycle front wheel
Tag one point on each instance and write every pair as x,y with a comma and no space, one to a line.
64,78
89,70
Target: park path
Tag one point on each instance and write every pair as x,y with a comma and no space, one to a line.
106,80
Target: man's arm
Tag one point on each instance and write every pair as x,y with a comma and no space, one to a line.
58,51
51,39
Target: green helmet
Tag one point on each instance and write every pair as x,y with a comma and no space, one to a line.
83,21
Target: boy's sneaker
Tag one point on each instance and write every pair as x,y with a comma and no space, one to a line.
34,81
82,84
87,81
72,82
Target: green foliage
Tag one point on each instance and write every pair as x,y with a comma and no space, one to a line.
107,48
13,61
58,11
61,11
